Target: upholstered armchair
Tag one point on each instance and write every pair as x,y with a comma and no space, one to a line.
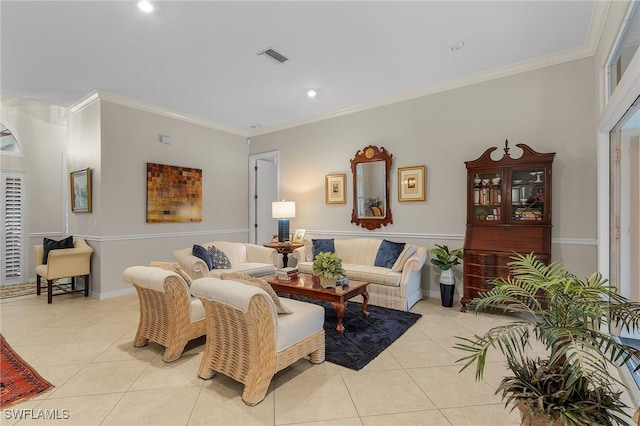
64,263
248,341
169,315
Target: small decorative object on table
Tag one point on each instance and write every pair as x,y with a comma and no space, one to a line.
298,236
287,274
328,267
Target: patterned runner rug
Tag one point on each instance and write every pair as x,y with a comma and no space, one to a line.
19,381
17,290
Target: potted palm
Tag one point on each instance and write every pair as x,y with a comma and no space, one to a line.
327,267
445,260
571,382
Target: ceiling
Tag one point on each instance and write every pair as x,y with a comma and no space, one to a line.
199,58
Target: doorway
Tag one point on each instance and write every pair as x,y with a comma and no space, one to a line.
263,190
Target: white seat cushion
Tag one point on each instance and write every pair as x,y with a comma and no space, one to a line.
251,269
306,319
372,274
197,310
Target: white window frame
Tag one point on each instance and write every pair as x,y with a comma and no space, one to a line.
19,150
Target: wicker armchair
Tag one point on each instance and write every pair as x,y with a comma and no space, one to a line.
169,315
248,341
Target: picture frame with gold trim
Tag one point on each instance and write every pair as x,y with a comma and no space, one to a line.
412,183
334,188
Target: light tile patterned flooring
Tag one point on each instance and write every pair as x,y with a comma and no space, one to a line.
84,347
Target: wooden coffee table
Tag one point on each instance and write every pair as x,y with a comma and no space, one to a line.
309,286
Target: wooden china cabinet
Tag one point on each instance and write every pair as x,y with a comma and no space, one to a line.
508,210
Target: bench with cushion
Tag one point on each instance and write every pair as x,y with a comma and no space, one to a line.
169,315
248,340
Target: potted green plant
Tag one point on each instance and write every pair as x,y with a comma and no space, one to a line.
375,205
328,267
445,260
571,382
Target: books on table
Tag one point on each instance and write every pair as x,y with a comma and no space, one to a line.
287,274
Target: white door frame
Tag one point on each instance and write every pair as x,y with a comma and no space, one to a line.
623,97
274,156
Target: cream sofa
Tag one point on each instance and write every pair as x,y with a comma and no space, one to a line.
249,259
399,289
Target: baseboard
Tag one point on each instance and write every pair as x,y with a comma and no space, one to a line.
112,294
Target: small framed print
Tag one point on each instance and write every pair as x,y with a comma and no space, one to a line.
298,236
334,189
411,183
80,182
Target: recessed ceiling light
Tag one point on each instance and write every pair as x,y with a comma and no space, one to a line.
145,6
312,93
456,45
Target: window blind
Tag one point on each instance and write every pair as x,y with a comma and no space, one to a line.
13,198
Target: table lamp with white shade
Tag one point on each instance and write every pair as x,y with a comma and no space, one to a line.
283,210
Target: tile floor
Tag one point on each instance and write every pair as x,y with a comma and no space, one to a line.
84,347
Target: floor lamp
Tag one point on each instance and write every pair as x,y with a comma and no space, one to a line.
283,210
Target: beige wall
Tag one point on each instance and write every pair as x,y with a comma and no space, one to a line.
42,130
551,109
121,141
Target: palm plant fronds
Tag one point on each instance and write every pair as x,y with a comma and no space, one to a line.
572,383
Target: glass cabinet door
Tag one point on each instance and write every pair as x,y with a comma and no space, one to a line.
487,196
528,192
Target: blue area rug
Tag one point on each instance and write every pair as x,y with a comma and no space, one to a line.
363,338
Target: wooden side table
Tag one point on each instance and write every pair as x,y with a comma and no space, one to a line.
284,249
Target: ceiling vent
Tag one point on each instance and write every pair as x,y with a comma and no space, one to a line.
274,56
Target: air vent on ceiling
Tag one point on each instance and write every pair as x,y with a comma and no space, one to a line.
271,54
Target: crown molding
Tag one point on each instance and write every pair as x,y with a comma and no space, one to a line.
596,27
143,106
493,74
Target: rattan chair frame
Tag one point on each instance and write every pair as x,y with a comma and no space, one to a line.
242,346
165,318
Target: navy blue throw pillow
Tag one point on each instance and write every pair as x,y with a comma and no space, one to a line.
48,245
388,253
323,246
202,253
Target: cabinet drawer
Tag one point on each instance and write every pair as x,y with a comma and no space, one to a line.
522,239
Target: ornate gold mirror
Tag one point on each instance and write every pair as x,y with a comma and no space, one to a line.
371,168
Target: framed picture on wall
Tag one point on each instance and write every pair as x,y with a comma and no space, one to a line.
411,183
334,189
80,188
